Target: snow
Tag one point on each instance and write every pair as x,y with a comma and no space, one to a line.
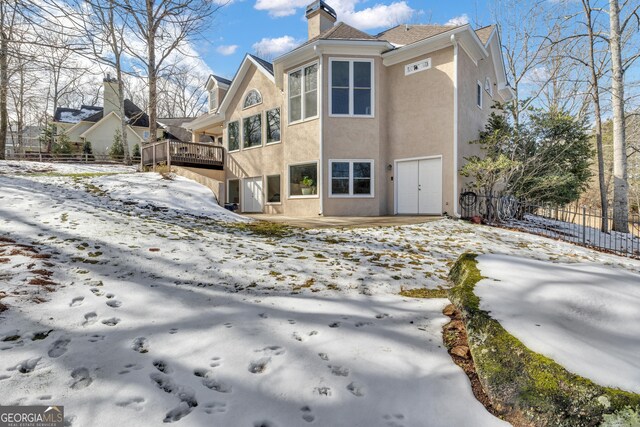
77,116
585,316
19,167
256,330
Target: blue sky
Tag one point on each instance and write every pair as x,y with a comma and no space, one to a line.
274,26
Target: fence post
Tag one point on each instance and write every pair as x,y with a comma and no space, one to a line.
154,157
584,225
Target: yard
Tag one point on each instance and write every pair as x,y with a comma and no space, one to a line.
136,300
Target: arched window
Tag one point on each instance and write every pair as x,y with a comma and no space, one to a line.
252,98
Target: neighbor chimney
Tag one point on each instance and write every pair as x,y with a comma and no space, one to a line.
320,17
110,96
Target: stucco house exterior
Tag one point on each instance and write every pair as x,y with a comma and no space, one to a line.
350,123
98,124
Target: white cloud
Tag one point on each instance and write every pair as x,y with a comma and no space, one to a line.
378,16
458,20
270,48
227,50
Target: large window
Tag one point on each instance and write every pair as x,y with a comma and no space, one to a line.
233,136
303,93
351,88
233,191
273,189
252,131
303,180
252,98
273,126
351,178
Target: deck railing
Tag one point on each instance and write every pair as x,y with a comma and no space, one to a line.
178,153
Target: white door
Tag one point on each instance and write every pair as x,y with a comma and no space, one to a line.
419,187
252,195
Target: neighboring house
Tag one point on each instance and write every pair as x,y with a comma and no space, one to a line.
354,124
100,124
25,141
174,130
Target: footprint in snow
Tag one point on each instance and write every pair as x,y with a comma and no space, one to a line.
356,389
111,322
90,318
162,366
173,331
176,414
263,315
324,356
97,292
392,420
215,408
382,316
135,403
301,338
76,301
259,366
96,338
216,385
110,296
215,362
361,324
323,391
228,325
339,371
334,325
81,377
292,322
59,347
264,423
307,415
114,303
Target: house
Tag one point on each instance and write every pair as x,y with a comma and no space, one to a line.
100,124
25,141
350,123
174,130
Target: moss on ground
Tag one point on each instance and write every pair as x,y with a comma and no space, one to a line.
264,228
424,293
525,387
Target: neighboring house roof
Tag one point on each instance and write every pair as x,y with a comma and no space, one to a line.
173,128
97,125
93,114
72,115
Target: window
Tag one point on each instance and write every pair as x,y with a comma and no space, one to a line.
252,98
351,177
252,131
213,100
303,180
351,88
233,191
273,189
303,93
233,136
479,95
273,126
488,86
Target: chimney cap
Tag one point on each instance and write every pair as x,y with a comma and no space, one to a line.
109,79
320,5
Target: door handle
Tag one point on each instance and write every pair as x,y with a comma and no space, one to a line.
419,187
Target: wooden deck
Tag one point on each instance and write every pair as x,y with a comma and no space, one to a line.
190,154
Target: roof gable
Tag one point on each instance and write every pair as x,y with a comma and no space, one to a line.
263,66
402,35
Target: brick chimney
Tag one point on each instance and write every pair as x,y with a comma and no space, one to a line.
110,96
320,17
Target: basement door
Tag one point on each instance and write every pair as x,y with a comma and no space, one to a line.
419,187
252,195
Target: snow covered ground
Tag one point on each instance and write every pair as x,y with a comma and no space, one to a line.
586,317
149,305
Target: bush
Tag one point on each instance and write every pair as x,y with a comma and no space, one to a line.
62,145
135,153
116,151
87,151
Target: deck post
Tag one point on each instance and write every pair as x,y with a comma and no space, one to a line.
168,154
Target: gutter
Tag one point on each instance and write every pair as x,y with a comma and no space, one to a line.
455,126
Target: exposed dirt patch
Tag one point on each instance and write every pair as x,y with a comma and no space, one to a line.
455,339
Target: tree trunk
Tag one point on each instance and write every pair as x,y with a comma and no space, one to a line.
153,95
595,95
620,186
4,82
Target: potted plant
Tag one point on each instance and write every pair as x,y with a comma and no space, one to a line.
306,186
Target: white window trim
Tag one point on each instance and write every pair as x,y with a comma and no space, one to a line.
239,121
266,124
481,86
490,90
244,98
262,138
239,190
351,88
302,107
311,196
266,189
351,195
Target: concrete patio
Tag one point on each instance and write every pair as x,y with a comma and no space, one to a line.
345,222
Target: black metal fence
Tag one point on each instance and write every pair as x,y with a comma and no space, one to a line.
579,225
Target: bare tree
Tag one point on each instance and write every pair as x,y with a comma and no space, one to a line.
8,14
163,27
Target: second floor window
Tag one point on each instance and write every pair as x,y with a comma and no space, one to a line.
233,134
303,93
351,88
213,100
252,131
273,126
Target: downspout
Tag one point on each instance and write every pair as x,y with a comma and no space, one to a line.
321,136
455,126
